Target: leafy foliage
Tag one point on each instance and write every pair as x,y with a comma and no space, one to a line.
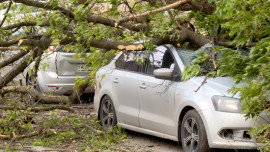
55,127
243,22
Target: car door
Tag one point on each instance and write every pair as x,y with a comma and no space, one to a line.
126,78
157,110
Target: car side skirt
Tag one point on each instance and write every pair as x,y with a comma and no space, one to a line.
149,132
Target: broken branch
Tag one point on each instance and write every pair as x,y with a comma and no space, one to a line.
38,109
162,9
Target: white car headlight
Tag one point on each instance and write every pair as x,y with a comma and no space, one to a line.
226,104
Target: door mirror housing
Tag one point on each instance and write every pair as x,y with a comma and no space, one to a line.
163,73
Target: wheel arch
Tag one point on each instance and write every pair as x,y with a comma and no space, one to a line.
104,95
181,116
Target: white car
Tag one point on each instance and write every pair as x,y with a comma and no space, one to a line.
147,95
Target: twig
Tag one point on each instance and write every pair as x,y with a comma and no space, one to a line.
204,81
129,8
171,15
3,20
91,128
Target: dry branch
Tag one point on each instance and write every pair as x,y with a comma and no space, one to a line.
13,42
45,6
203,82
38,109
12,59
3,49
17,136
171,15
36,94
46,98
44,44
3,20
19,25
19,68
162,9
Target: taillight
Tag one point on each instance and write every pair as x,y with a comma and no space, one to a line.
53,88
51,48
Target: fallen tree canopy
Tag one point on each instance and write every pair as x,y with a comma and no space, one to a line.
79,25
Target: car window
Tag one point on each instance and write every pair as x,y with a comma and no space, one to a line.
132,61
159,58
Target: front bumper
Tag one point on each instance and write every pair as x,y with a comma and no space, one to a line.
216,122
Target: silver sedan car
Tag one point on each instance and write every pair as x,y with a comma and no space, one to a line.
142,91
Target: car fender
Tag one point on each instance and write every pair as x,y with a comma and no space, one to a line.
199,103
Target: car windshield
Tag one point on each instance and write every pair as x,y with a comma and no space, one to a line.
186,56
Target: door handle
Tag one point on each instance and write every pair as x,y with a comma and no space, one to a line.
143,86
115,80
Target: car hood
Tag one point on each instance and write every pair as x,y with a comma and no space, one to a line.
220,84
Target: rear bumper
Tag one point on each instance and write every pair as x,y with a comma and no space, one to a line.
50,82
216,122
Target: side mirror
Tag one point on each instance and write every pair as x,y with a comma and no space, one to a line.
163,73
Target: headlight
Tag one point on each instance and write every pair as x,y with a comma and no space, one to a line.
226,104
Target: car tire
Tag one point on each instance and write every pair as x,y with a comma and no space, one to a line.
193,134
107,114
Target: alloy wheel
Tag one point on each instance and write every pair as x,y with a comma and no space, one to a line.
107,115
191,134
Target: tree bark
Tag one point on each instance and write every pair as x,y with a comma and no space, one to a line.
19,68
3,20
162,9
12,59
38,109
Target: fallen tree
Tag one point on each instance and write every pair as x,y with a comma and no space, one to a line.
79,25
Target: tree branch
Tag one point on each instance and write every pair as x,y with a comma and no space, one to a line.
229,44
36,94
162,9
4,49
105,44
3,20
17,137
89,18
203,82
38,109
171,15
12,59
13,42
44,44
204,6
18,25
38,4
8,43
112,23
17,69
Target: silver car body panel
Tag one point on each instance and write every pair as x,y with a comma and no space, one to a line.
60,75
